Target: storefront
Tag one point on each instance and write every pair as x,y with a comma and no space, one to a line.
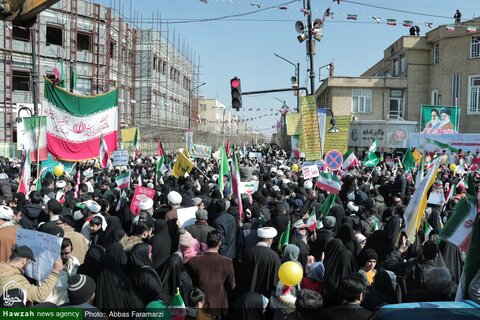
390,134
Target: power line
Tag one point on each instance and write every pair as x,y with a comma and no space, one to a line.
396,10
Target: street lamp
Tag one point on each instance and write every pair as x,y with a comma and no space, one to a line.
296,79
190,104
333,122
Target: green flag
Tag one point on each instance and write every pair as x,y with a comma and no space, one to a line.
73,77
284,237
224,169
371,160
327,204
408,161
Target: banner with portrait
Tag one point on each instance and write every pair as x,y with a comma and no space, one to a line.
439,119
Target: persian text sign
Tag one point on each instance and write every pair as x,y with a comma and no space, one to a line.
141,193
293,124
310,171
120,158
311,134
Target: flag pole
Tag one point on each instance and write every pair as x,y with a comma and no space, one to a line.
37,142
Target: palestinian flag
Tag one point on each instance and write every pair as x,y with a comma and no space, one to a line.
104,155
24,185
160,149
349,160
407,23
135,144
75,123
328,182
236,183
32,135
161,167
284,237
458,229
391,22
123,180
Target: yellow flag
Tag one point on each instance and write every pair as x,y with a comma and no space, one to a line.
182,165
186,153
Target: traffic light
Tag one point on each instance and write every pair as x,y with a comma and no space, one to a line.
236,90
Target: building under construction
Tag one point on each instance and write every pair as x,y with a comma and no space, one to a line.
157,77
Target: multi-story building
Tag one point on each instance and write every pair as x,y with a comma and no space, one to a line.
440,68
153,76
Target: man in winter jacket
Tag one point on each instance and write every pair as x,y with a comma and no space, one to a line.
12,275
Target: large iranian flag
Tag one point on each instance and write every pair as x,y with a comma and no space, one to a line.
75,123
458,229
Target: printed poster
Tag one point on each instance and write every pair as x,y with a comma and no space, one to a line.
311,134
439,119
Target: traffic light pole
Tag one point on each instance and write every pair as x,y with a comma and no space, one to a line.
275,90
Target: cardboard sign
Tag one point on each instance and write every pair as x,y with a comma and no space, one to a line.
120,158
139,196
186,216
46,250
310,172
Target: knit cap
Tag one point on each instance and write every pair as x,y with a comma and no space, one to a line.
80,288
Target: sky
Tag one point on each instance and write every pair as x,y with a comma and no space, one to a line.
244,45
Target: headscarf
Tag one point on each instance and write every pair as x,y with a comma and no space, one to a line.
118,253
290,253
145,279
346,234
91,264
114,288
339,263
161,243
392,228
453,258
249,306
173,275
338,212
139,256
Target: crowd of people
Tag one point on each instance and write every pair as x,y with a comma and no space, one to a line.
225,265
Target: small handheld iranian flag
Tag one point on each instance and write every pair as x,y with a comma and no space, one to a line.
177,307
135,144
312,221
103,154
350,160
24,185
123,180
328,182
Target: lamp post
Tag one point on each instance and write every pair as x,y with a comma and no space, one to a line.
190,104
297,76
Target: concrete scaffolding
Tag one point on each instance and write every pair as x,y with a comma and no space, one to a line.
157,77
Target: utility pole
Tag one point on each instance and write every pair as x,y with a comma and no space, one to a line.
310,46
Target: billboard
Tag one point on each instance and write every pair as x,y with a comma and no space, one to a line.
439,142
439,119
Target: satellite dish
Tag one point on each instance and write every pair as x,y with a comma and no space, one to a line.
299,26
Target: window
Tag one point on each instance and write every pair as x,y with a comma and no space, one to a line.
475,47
21,80
435,97
436,54
54,36
84,41
403,66
361,100
113,46
20,33
84,85
396,103
455,89
396,67
155,60
474,94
